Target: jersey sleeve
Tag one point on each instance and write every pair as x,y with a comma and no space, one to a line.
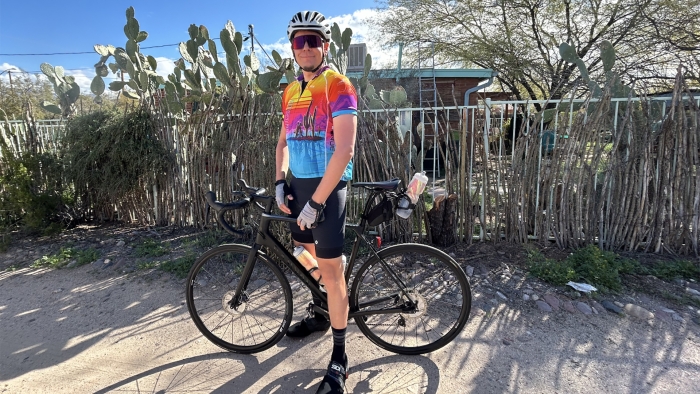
342,97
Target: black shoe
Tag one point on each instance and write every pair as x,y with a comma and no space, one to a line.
334,381
307,326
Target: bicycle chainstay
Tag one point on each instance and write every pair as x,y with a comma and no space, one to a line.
383,324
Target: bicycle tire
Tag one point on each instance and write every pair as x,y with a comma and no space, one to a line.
263,318
437,282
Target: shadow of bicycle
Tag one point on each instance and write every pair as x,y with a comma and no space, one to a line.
391,374
228,373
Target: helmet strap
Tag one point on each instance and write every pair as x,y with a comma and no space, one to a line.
323,61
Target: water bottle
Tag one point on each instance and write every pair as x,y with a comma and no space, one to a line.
306,259
413,192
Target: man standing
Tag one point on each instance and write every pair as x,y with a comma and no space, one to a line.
317,144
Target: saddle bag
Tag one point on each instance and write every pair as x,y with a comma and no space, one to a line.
381,213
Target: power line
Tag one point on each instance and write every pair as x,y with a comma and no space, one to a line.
93,52
78,53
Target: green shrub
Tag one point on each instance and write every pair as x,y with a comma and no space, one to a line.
676,269
180,266
111,155
86,256
33,193
151,248
147,265
597,267
600,268
549,270
210,238
64,256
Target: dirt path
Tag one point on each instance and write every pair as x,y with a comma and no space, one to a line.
80,331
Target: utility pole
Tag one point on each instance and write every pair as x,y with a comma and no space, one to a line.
9,73
252,38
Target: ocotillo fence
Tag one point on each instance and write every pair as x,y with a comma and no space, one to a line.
620,173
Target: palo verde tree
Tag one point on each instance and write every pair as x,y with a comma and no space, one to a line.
520,39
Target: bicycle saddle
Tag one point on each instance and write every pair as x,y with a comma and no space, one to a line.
379,186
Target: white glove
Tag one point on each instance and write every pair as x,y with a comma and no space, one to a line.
282,191
311,215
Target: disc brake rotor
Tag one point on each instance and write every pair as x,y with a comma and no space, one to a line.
421,306
227,308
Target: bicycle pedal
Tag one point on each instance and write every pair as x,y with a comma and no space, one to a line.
310,310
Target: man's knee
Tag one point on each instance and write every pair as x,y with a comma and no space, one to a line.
331,269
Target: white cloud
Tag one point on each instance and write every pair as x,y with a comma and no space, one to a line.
83,77
165,66
7,66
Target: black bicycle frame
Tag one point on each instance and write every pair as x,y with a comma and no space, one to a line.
265,238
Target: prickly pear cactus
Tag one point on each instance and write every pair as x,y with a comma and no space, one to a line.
65,88
612,79
269,82
198,74
128,60
340,42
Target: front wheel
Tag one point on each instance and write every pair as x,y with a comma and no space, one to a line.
265,310
435,306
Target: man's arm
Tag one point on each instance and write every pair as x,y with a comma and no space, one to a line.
282,164
344,133
281,156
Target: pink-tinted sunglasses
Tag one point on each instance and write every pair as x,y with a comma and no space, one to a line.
314,41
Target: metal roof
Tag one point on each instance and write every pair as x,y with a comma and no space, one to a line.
479,73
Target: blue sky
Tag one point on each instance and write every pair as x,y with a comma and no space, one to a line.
42,27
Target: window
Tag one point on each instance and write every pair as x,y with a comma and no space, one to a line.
356,57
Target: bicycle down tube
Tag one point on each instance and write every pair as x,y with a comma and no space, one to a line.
265,238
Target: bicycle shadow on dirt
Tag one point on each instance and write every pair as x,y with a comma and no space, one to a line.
394,373
229,373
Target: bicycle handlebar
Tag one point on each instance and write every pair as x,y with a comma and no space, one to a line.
249,194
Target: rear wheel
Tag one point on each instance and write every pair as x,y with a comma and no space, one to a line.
435,309
263,316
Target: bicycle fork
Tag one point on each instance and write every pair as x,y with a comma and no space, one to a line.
240,296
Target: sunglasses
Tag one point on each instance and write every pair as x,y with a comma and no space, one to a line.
314,41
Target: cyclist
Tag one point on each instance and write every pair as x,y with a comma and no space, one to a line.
316,144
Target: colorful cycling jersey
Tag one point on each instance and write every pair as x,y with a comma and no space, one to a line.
308,121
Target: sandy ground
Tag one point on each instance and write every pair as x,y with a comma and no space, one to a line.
74,331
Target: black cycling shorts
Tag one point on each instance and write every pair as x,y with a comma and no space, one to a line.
329,235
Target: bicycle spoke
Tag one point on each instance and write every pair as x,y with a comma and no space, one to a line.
263,308
434,283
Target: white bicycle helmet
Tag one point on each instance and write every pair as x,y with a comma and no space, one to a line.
309,20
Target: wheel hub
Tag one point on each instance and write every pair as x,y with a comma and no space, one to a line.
421,306
227,307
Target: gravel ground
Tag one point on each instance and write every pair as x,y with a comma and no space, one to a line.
91,329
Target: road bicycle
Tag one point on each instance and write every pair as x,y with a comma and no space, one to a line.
406,298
